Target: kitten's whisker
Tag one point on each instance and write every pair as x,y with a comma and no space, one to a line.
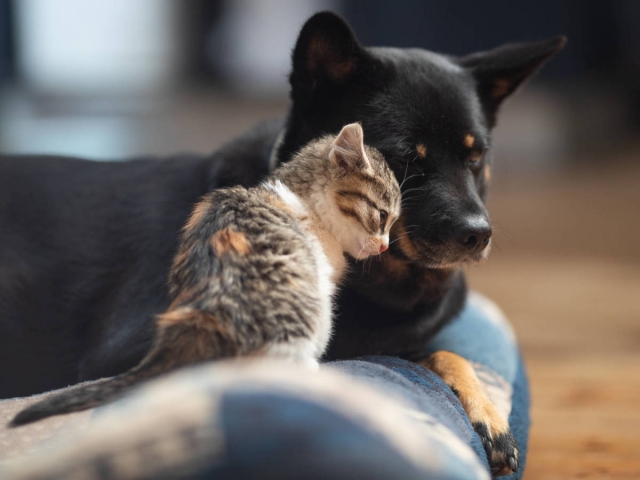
365,260
406,170
408,178
413,198
411,190
399,238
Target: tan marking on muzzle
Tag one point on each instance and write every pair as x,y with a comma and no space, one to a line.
487,174
407,247
395,266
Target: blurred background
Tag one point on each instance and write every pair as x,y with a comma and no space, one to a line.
118,79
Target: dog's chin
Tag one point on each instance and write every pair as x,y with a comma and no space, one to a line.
452,261
440,256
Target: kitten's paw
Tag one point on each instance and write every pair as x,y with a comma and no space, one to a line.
500,446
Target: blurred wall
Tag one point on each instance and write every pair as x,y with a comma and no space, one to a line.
114,79
80,47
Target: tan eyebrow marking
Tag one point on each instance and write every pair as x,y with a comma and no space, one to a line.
421,148
469,140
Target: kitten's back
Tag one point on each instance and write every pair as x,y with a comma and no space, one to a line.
261,275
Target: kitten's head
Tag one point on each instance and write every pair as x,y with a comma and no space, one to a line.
363,195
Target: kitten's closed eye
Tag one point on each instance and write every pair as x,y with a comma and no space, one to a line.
383,219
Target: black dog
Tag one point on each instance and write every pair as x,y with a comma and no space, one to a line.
85,247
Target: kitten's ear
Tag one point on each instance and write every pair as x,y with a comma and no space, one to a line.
500,71
347,151
326,53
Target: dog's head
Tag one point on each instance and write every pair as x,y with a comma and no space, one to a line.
431,116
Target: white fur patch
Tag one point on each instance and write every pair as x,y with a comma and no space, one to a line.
287,196
308,352
326,289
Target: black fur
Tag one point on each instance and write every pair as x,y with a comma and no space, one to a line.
501,450
85,247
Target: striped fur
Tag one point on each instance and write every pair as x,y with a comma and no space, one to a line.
256,268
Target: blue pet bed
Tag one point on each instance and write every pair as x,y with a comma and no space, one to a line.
366,418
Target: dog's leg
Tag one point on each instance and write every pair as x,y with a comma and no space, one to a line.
499,443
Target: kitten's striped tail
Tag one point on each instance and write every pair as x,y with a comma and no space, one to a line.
186,336
88,396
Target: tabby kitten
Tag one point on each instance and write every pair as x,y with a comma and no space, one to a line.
256,268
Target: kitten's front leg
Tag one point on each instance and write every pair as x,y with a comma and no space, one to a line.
493,428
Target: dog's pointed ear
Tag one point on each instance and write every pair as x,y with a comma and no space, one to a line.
500,71
326,53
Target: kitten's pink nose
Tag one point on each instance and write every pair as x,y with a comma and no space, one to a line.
383,247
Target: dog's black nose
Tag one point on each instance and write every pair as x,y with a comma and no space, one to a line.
473,233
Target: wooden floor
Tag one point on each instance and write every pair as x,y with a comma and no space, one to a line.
566,270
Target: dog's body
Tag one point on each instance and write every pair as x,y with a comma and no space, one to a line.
85,247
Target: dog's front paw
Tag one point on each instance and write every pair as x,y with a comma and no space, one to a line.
501,448
488,422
